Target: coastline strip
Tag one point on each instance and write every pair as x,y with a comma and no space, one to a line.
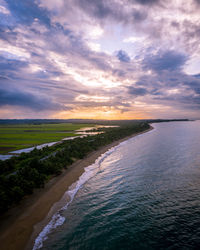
17,226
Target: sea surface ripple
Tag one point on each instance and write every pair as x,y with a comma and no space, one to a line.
144,194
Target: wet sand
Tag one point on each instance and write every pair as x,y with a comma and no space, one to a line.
20,226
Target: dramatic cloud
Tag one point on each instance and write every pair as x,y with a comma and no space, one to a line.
112,59
148,2
137,91
27,100
167,60
123,56
27,11
112,9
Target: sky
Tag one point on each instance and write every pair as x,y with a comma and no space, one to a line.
100,59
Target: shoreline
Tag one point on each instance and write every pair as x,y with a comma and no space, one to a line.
21,224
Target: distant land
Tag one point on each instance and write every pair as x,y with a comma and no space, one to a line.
94,121
18,134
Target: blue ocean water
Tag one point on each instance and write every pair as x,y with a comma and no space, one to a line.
142,194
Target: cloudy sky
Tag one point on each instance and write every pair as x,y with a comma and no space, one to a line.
106,59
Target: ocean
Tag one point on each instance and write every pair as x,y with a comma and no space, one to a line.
142,194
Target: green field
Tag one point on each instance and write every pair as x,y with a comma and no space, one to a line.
14,137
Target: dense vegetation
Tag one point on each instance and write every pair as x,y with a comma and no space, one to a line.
19,176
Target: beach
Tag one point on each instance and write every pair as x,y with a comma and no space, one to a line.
20,225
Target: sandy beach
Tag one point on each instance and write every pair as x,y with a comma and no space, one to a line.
18,228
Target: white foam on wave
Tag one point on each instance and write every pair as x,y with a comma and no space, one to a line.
57,219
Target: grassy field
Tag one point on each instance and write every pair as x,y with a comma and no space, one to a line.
14,137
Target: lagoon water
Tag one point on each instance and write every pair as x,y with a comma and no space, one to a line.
142,194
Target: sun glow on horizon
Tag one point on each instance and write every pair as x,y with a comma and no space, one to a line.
100,114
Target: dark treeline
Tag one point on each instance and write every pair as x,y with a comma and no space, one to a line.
19,176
